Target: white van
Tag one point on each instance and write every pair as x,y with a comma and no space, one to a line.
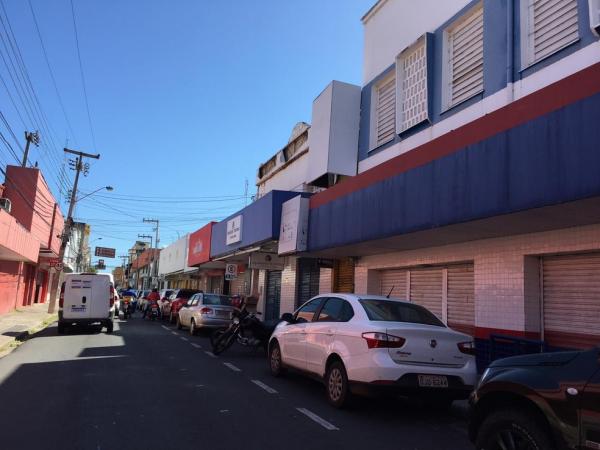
85,299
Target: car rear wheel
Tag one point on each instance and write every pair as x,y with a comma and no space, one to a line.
193,329
61,328
336,384
512,430
275,360
178,323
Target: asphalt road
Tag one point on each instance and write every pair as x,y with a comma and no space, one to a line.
149,386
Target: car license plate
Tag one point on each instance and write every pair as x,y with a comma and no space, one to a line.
434,381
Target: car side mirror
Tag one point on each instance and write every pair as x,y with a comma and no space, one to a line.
287,317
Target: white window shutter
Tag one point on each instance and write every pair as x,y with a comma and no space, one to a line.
385,111
465,58
412,84
555,25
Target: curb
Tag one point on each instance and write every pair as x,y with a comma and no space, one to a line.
21,336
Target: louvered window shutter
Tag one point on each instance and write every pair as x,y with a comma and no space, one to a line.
386,111
465,58
553,24
412,80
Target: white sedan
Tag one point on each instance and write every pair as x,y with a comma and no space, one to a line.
360,344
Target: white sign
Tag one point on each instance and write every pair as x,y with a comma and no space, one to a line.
293,234
234,230
265,261
230,271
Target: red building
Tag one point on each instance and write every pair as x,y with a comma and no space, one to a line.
29,238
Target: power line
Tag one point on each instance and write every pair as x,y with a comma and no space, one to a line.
87,105
60,101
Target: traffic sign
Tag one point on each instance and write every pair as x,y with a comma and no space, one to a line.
106,252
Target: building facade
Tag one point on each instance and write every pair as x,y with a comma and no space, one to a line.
476,193
30,230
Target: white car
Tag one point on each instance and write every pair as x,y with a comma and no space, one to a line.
365,343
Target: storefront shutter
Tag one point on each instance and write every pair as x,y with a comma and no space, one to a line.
216,284
308,280
571,300
461,298
273,296
344,276
426,289
394,281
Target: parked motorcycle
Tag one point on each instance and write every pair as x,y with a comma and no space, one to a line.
246,329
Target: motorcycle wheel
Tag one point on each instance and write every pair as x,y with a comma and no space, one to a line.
222,341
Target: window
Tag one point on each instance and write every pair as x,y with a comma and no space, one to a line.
546,27
307,312
335,310
411,67
216,299
383,111
463,58
395,311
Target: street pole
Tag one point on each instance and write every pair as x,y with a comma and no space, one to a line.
146,236
29,138
156,241
68,223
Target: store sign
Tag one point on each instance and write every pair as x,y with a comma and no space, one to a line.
234,230
265,261
199,246
105,252
293,234
231,271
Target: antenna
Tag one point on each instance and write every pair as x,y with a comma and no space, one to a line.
390,293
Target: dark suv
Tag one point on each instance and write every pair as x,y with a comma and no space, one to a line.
547,401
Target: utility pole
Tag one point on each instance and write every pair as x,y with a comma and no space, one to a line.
156,241
146,236
79,167
29,138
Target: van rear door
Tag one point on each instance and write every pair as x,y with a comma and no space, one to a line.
100,296
78,297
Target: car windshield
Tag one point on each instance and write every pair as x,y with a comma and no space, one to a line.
216,299
395,311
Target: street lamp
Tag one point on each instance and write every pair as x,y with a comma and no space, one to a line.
108,188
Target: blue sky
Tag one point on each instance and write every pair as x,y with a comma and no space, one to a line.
186,98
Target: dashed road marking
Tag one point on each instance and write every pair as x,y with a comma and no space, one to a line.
165,327
232,367
174,333
311,415
262,385
210,354
196,345
184,338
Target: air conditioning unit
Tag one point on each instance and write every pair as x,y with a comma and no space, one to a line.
5,204
595,16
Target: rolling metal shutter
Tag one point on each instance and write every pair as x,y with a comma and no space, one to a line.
386,111
426,289
465,54
461,298
571,300
308,280
216,284
273,296
394,281
344,276
555,25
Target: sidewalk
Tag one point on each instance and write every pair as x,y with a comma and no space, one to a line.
19,324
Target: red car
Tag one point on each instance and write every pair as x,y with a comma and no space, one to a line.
178,298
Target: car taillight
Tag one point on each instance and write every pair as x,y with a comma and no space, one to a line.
112,295
383,340
61,299
206,311
467,348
